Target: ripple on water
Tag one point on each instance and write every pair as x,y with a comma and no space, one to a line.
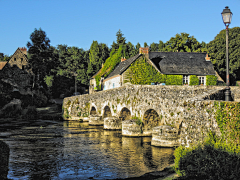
70,150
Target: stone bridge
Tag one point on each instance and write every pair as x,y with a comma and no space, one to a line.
188,111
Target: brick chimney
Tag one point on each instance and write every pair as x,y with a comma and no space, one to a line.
123,59
143,50
207,58
24,50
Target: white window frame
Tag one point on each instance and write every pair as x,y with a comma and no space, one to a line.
186,79
202,80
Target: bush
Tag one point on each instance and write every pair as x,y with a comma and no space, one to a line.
211,80
194,80
174,80
213,160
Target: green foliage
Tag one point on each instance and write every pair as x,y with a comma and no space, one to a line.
211,80
4,57
219,59
194,80
215,159
174,80
183,43
39,55
228,119
66,114
109,65
141,72
48,80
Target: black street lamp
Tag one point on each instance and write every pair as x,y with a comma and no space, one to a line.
227,17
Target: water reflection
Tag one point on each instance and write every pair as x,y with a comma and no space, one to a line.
70,150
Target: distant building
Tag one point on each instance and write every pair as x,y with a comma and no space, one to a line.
16,72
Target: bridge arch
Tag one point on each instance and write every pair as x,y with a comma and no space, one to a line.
150,119
125,114
107,112
93,111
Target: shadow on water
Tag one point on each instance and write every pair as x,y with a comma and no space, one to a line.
74,150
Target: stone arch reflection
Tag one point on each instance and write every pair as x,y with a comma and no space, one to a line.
125,114
151,119
93,111
107,112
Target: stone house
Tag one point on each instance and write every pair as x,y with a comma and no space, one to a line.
16,72
168,63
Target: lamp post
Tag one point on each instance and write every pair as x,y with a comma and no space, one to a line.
227,17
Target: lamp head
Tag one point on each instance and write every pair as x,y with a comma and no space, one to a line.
227,16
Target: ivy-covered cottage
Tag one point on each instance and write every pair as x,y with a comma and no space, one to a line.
15,72
166,68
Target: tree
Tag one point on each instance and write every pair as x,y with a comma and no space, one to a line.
182,43
145,44
217,53
120,39
39,55
4,57
154,47
160,46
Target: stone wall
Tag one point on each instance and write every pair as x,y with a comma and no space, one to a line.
190,109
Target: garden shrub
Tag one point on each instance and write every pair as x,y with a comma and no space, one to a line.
214,159
194,80
211,80
174,80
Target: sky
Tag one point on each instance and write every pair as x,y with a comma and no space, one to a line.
80,22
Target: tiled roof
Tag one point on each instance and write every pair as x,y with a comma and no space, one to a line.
122,66
182,63
2,64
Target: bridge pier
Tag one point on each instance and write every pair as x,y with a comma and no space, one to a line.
165,136
96,120
131,128
112,123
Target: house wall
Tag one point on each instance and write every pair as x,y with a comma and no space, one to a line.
19,59
113,82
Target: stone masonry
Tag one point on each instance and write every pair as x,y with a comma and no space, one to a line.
189,109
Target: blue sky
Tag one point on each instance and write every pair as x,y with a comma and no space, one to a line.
78,22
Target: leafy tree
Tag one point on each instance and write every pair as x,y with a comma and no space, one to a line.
97,56
160,46
182,43
4,57
217,52
137,47
145,44
39,55
131,49
153,47
120,39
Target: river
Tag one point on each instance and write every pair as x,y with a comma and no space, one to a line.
74,150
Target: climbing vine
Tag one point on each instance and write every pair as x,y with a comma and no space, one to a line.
141,72
109,65
194,80
228,119
174,80
211,80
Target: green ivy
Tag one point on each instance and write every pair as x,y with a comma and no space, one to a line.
174,80
141,72
228,119
109,65
194,80
211,80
